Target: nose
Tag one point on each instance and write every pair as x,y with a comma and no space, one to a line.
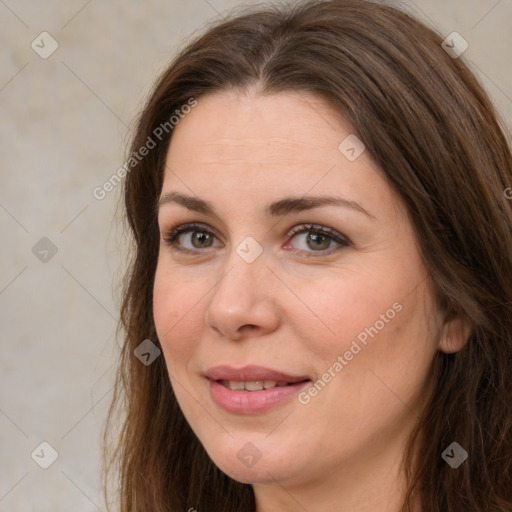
243,302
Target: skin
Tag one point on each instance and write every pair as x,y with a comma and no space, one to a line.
285,310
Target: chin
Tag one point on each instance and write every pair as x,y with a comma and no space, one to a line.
248,465
260,473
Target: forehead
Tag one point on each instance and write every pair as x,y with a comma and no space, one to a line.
264,145
235,121
234,127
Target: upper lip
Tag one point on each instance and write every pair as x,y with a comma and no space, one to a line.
251,373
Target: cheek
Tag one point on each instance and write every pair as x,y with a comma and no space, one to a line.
178,315
369,323
387,358
341,311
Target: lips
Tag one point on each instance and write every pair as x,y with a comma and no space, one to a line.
252,373
252,389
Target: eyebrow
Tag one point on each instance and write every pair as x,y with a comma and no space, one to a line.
281,207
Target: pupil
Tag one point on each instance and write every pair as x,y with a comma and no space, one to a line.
200,237
315,238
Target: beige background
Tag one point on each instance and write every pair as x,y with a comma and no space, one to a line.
64,126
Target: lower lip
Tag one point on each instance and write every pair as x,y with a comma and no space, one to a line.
251,402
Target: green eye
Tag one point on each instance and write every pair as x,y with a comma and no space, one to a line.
318,240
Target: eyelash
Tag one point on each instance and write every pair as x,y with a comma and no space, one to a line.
170,237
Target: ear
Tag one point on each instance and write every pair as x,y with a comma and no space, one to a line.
455,332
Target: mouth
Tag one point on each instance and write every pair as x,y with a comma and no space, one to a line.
256,385
252,377
252,389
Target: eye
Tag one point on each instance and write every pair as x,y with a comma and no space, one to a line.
191,238
196,236
318,239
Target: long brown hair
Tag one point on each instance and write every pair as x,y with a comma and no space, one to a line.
432,129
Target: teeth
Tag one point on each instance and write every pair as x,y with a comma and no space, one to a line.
236,386
256,385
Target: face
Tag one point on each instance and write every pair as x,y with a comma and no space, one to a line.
265,277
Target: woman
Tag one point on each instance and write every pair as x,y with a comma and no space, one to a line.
318,314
